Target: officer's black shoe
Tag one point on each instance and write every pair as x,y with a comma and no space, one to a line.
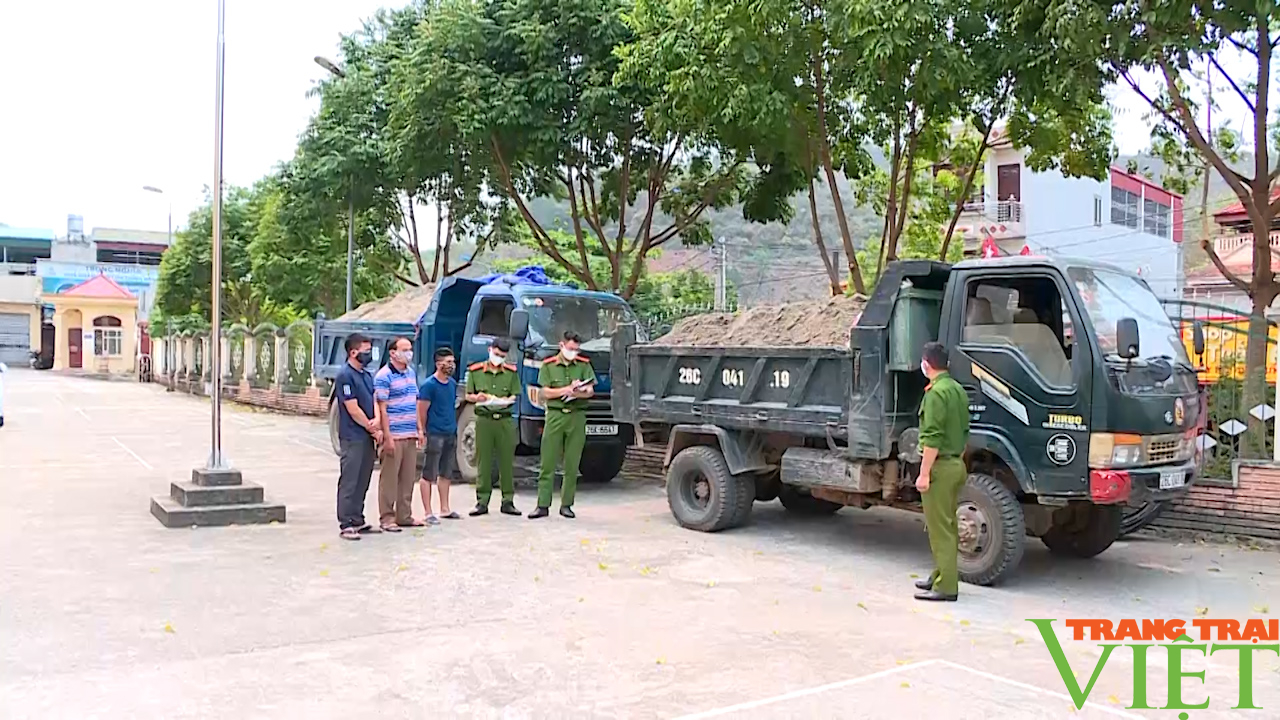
935,596
566,511
925,584
480,510
509,508
539,513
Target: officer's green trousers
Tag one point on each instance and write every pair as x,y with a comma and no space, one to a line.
495,441
563,437
940,500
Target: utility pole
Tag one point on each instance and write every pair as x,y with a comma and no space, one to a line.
722,264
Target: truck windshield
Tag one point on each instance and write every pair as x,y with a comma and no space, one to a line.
550,316
1110,296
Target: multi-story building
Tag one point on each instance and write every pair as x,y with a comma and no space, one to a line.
37,266
1125,220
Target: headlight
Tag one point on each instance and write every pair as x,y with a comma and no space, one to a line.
1112,450
1124,450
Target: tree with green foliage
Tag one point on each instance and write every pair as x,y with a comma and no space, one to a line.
523,92
1170,40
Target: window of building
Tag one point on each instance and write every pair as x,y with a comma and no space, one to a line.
1097,210
108,340
1156,218
1126,207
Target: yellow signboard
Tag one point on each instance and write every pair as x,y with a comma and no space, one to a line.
1225,342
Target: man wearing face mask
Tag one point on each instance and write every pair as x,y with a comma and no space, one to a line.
358,431
396,390
944,432
493,386
566,381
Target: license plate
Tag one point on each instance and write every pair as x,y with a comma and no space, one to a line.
1171,479
602,429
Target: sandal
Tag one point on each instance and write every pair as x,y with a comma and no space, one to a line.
413,522
452,516
390,529
369,530
349,534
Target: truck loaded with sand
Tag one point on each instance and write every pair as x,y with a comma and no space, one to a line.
465,315
1080,402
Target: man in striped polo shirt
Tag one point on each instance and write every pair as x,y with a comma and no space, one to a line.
396,389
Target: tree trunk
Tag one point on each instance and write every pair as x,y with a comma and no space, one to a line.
824,153
1255,383
971,176
833,275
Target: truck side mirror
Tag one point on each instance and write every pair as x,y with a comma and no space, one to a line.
519,324
1127,338
1197,337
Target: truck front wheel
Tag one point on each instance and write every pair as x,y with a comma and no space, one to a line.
602,463
991,530
702,493
333,427
799,501
1086,531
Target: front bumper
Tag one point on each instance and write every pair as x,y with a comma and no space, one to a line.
1145,482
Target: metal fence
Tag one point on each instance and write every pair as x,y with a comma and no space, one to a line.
659,323
1237,425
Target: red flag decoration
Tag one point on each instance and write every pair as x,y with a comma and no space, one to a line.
989,248
1026,250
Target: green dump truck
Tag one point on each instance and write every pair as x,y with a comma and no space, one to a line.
1082,399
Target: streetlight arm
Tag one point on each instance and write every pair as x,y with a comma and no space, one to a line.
329,65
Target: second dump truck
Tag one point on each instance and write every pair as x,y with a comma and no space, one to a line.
1081,394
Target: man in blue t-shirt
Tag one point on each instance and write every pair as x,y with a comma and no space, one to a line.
437,399
358,431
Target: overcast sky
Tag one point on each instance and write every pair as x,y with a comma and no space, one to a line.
100,98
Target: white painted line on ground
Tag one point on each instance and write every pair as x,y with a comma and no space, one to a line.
1033,688
141,462
794,694
83,414
317,447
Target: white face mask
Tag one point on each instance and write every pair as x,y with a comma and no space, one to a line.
406,357
496,359
568,354
924,368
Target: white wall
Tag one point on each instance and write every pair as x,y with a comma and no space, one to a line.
1058,213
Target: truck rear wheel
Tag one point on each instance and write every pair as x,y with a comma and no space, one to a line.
991,530
1086,532
703,494
799,501
468,463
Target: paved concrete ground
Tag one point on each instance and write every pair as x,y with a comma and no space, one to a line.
619,614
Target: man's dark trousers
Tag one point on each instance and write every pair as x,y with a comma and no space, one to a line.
355,471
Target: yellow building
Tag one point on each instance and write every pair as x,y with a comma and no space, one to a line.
95,325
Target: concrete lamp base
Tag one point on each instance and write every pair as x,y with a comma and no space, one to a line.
215,497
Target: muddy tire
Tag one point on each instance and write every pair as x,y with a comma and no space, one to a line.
1088,533
602,463
465,451
703,495
800,502
991,528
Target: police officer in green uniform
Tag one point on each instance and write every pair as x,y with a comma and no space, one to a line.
567,381
944,432
495,430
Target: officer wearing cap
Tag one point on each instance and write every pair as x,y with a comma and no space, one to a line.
487,381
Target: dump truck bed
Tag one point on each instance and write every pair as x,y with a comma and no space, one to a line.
782,389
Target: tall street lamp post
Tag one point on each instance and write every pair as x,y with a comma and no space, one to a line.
217,494
336,71
169,353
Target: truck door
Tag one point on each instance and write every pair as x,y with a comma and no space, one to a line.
1026,373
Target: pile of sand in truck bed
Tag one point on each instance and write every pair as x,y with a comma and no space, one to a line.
813,323
404,307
